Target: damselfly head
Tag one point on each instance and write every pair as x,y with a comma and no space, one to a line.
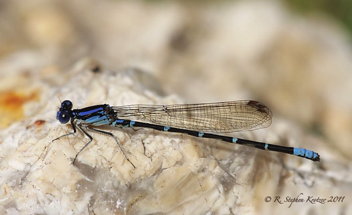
64,113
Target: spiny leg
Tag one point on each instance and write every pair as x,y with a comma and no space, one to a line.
90,140
110,134
74,131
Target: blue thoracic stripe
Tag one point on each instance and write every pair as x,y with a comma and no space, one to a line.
84,113
132,123
102,121
166,128
97,120
92,119
200,134
234,140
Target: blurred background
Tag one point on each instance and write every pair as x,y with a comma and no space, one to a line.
294,56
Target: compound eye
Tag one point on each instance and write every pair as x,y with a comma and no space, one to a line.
63,116
66,105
